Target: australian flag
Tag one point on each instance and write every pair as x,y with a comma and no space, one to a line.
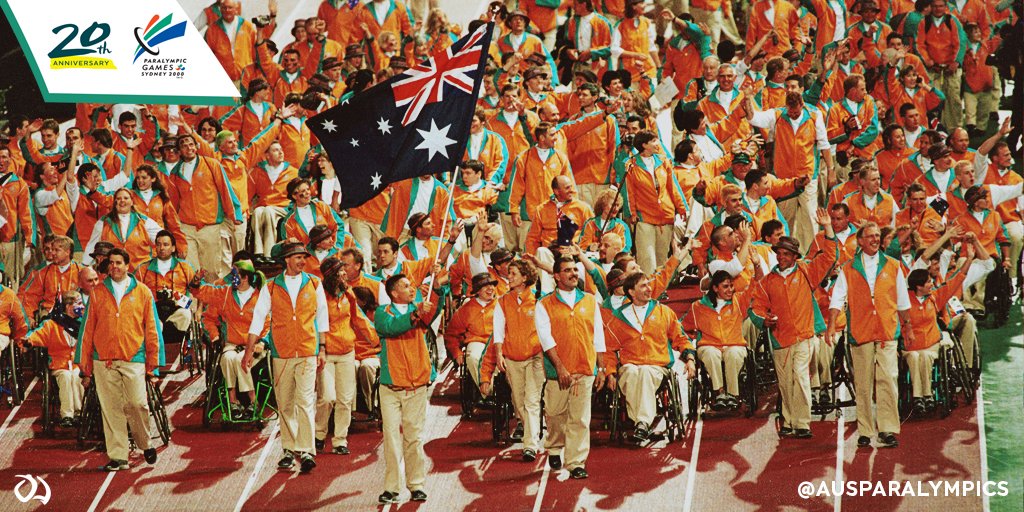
414,124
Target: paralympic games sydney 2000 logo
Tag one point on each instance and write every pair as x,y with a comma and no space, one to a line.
157,31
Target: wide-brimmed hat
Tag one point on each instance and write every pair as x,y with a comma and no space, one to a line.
501,255
331,63
481,280
169,142
535,72
289,249
398,62
937,151
101,249
319,233
330,266
513,14
354,50
415,221
788,243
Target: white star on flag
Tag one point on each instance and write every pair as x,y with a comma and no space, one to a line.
375,181
354,142
329,126
384,126
435,140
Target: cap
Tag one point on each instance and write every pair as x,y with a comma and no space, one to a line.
534,73
500,255
740,158
101,249
481,280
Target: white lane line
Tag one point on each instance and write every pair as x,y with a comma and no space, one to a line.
259,466
102,491
17,408
980,399
691,479
840,456
543,485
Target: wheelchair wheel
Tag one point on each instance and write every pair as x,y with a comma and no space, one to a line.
749,385
501,417
10,375
615,422
961,374
49,419
215,381
159,413
904,391
89,425
435,356
673,404
942,383
699,392
468,392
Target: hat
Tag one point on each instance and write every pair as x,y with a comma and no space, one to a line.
740,158
398,62
169,142
481,280
614,278
256,85
415,221
537,59
330,266
318,234
513,14
587,75
534,73
974,194
500,255
271,46
101,249
788,243
869,5
354,50
289,249
792,55
331,63
937,151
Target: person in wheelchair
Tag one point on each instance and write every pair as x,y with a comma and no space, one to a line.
647,335
367,350
13,319
58,334
981,220
783,303
715,325
472,325
336,389
515,350
168,278
227,319
920,352
121,345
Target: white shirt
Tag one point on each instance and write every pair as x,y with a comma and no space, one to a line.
274,172
292,284
543,323
305,214
636,315
380,10
839,292
476,144
544,153
516,40
421,203
188,167
769,13
733,266
258,108
146,195
231,29
753,204
120,288
243,296
709,151
838,8
163,266
725,98
767,119
510,118
586,31
912,135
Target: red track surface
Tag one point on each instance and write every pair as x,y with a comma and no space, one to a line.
740,465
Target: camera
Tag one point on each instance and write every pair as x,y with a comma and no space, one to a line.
627,139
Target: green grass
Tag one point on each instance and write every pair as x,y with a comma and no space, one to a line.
1003,380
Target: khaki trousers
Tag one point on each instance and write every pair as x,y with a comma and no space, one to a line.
718,23
367,235
949,83
336,390
295,389
733,355
473,352
231,367
121,388
526,378
206,248
1015,232
792,366
919,363
974,297
403,414
979,105
568,415
966,328
639,384
800,213
515,238
234,238
264,227
366,375
652,245
69,385
875,371
11,255
589,192
821,361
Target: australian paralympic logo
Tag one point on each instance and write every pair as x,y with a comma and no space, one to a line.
159,31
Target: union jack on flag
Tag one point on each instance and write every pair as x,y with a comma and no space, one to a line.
424,83
414,124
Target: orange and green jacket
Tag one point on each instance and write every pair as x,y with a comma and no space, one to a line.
59,345
653,199
209,199
348,324
706,326
293,329
650,346
226,317
544,229
404,356
129,331
872,318
531,180
471,323
924,312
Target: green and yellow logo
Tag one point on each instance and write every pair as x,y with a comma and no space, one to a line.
91,45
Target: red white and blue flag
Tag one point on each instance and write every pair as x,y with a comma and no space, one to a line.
413,124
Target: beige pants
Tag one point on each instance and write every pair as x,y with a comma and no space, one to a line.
264,227
718,23
69,385
234,238
403,414
949,83
652,245
1015,232
121,388
231,367
366,375
589,192
11,255
526,378
639,385
295,389
966,328
978,106
821,361
336,390
473,352
792,365
974,297
206,249
366,234
733,355
875,371
568,415
515,238
800,213
919,363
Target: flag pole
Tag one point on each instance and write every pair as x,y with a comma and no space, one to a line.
444,224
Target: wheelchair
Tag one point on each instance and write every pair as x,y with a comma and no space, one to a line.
12,375
669,408
218,400
51,402
502,414
90,424
469,394
369,405
842,377
998,297
950,377
193,348
700,394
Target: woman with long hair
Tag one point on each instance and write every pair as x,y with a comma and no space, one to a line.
125,228
606,220
150,199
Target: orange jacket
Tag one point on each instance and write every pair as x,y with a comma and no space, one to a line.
348,323
860,143
888,161
341,20
237,166
653,196
125,331
575,325
494,154
59,216
795,150
707,326
871,317
404,357
295,142
293,329
520,336
923,312
634,37
17,200
233,57
176,279
833,89
59,345
785,21
531,180
517,137
651,346
940,44
1007,210
226,317
403,195
978,76
398,20
469,204
715,112
990,230
280,83
372,211
544,229
208,199
882,214
247,123
265,193
592,151
471,323
45,285
13,321
137,243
